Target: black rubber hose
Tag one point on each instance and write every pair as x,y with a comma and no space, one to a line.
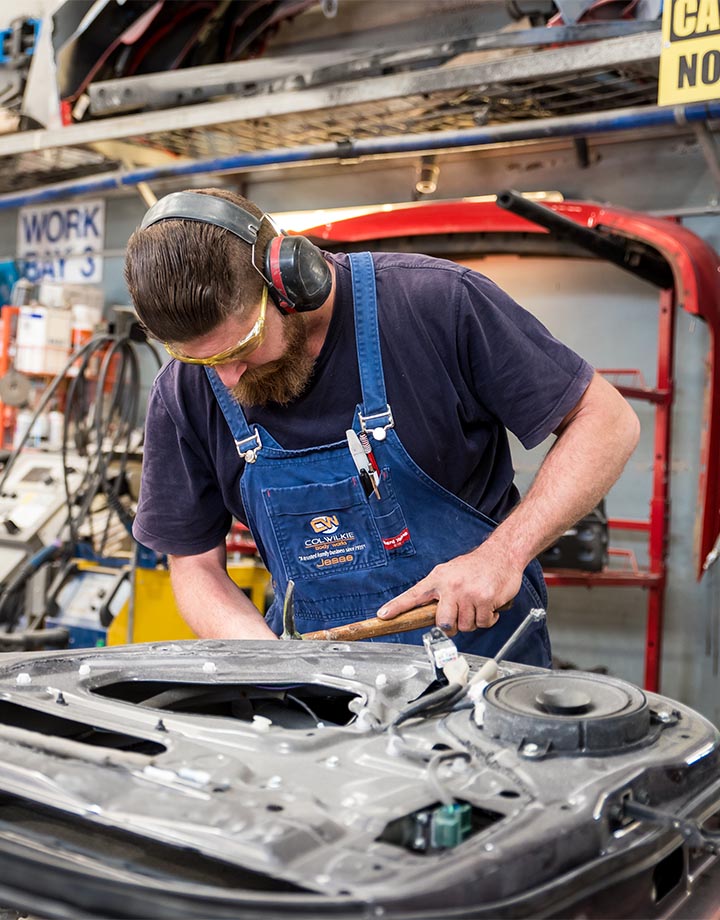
57,637
626,254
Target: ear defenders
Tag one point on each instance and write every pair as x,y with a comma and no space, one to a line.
297,275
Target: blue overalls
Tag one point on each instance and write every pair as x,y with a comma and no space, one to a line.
347,553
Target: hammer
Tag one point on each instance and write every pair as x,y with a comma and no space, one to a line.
362,629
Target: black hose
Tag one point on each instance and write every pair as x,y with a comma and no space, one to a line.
11,591
57,637
99,416
113,417
626,254
430,704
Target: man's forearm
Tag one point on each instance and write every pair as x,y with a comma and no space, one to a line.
591,451
210,602
593,445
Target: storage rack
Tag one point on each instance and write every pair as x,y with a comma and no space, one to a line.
652,578
363,101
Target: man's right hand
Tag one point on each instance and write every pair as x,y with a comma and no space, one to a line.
209,600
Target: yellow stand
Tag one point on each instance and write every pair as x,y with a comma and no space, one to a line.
156,616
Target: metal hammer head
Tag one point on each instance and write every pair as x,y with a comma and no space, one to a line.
289,631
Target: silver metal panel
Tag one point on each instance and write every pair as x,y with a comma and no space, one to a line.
277,762
274,74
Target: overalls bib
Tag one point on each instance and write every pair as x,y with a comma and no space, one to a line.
349,553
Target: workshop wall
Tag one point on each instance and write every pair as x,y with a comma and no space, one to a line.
605,314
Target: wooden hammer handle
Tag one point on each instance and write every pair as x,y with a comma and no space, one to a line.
416,618
367,629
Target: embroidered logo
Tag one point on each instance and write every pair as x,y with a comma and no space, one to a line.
325,523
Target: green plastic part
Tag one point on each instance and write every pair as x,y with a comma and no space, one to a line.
451,824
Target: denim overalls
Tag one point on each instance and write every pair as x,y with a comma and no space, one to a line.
348,553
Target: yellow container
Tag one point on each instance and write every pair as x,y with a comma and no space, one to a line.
156,617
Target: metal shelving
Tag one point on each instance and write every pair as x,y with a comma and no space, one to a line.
353,103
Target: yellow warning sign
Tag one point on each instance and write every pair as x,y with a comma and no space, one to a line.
690,57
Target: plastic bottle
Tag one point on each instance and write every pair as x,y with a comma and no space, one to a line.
85,320
39,430
24,292
56,430
22,424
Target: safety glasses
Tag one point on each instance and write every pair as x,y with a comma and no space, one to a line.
244,347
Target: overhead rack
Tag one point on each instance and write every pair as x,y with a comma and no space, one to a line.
330,105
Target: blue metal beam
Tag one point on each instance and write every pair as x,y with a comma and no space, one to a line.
538,129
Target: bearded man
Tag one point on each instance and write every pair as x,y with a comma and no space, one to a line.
285,359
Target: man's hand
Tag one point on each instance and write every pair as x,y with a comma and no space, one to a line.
469,589
209,600
594,441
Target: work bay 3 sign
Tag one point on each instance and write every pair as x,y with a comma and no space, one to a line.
62,242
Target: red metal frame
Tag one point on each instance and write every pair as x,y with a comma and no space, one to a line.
696,271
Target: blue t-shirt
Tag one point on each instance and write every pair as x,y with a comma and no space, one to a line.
463,363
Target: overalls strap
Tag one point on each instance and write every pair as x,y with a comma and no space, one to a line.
247,440
375,412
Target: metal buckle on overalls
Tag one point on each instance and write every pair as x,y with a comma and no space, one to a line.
249,455
379,432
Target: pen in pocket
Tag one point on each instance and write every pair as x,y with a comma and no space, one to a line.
367,484
365,443
374,471
362,464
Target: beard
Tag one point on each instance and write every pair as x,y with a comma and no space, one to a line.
283,380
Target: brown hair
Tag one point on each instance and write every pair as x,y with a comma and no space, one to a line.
186,277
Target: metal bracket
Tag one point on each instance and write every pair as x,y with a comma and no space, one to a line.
694,834
572,10
377,431
249,454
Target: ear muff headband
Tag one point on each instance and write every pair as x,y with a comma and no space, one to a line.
295,271
206,209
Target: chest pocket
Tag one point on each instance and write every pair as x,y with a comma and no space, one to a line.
390,519
324,529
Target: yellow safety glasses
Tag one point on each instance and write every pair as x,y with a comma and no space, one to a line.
244,347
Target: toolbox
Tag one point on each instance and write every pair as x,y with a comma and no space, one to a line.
584,546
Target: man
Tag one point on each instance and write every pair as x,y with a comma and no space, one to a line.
284,356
